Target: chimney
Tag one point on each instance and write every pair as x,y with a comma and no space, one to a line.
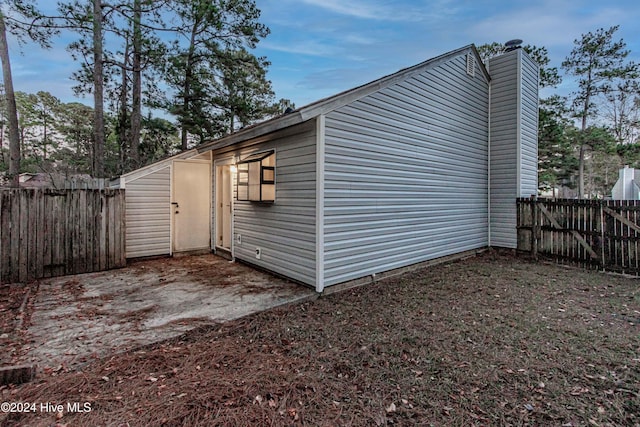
513,140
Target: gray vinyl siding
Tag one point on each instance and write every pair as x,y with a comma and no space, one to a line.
286,229
148,214
504,153
529,129
514,124
148,206
406,173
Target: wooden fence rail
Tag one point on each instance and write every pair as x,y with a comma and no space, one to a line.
602,234
47,232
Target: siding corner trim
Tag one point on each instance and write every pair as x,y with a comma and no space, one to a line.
320,160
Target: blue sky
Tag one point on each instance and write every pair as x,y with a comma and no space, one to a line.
321,47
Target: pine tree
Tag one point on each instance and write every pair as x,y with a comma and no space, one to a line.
211,27
597,61
20,18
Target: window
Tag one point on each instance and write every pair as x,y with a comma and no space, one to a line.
257,177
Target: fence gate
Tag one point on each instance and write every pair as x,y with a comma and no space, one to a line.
47,232
595,233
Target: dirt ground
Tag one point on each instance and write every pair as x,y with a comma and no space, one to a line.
492,340
14,300
74,319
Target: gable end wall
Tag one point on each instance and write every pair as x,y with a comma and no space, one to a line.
406,173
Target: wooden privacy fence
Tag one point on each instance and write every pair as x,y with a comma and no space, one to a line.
47,232
601,234
86,183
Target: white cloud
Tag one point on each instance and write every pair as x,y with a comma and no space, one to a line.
336,43
394,11
310,47
547,24
555,24
336,80
358,9
359,39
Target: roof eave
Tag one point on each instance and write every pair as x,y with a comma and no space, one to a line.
154,165
334,102
260,129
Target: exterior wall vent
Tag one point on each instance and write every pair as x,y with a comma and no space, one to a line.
471,64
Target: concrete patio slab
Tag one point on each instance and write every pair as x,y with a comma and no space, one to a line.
77,318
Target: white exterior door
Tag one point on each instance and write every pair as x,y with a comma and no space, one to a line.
223,206
191,205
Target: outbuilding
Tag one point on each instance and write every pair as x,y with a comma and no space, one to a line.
415,166
153,196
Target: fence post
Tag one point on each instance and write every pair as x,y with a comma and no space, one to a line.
534,227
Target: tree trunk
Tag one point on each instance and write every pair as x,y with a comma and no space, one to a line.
2,159
186,95
585,111
136,108
44,139
122,114
581,173
98,92
12,111
185,106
